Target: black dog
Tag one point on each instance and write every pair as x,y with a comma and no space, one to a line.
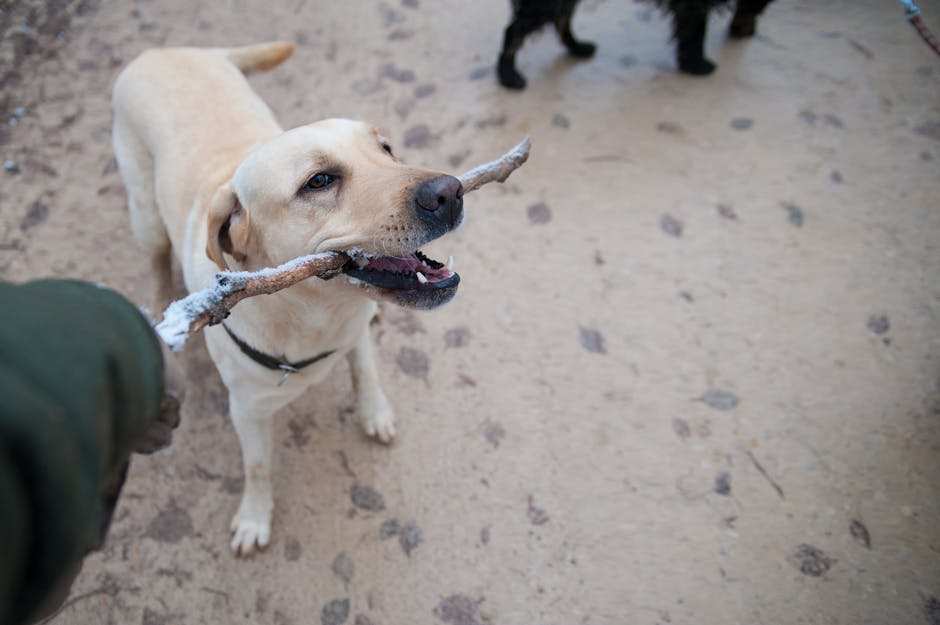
689,22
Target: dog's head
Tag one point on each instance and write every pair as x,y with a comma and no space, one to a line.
336,185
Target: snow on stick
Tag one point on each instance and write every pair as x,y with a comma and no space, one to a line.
212,305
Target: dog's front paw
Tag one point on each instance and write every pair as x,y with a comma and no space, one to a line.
508,76
250,532
582,49
378,419
697,66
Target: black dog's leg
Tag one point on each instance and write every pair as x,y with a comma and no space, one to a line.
580,49
516,33
744,23
690,24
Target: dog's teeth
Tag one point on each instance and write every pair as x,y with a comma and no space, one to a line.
450,263
421,278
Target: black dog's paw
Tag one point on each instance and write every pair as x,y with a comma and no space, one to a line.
743,26
697,67
509,77
582,49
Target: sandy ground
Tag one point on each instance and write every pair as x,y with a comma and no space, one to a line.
691,373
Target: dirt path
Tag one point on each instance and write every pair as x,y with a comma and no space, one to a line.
691,375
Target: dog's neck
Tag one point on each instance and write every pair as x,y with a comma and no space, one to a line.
298,322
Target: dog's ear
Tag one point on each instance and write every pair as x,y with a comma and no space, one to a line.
229,227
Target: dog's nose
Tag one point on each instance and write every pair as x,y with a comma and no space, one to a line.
440,199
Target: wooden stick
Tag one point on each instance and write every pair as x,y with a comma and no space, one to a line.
212,305
497,170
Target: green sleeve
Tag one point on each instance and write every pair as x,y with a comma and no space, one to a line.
81,379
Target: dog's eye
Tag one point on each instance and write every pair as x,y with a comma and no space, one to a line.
320,181
387,148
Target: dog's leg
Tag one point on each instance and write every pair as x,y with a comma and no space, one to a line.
137,172
375,413
744,23
515,34
689,25
254,424
580,49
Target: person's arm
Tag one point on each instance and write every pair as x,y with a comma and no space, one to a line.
81,387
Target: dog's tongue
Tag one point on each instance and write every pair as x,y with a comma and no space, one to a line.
412,265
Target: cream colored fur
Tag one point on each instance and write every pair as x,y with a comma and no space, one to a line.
212,178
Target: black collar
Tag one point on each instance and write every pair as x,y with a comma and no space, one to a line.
273,362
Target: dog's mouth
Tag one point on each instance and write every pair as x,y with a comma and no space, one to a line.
412,280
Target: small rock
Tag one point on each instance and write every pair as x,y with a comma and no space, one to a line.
723,483
539,213
720,399
537,516
494,433
932,610
670,225
742,123
811,560
418,136
681,428
423,91
171,525
400,34
726,211
864,51
931,130
592,340
343,567
413,362
561,121
879,324
335,612
458,610
366,498
389,528
409,538
457,337
860,533
398,75
795,214
292,549
669,128
11,167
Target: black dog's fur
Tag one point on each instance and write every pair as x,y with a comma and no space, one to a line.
689,22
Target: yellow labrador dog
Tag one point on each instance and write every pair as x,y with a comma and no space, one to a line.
212,178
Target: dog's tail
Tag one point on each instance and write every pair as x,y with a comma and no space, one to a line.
260,57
